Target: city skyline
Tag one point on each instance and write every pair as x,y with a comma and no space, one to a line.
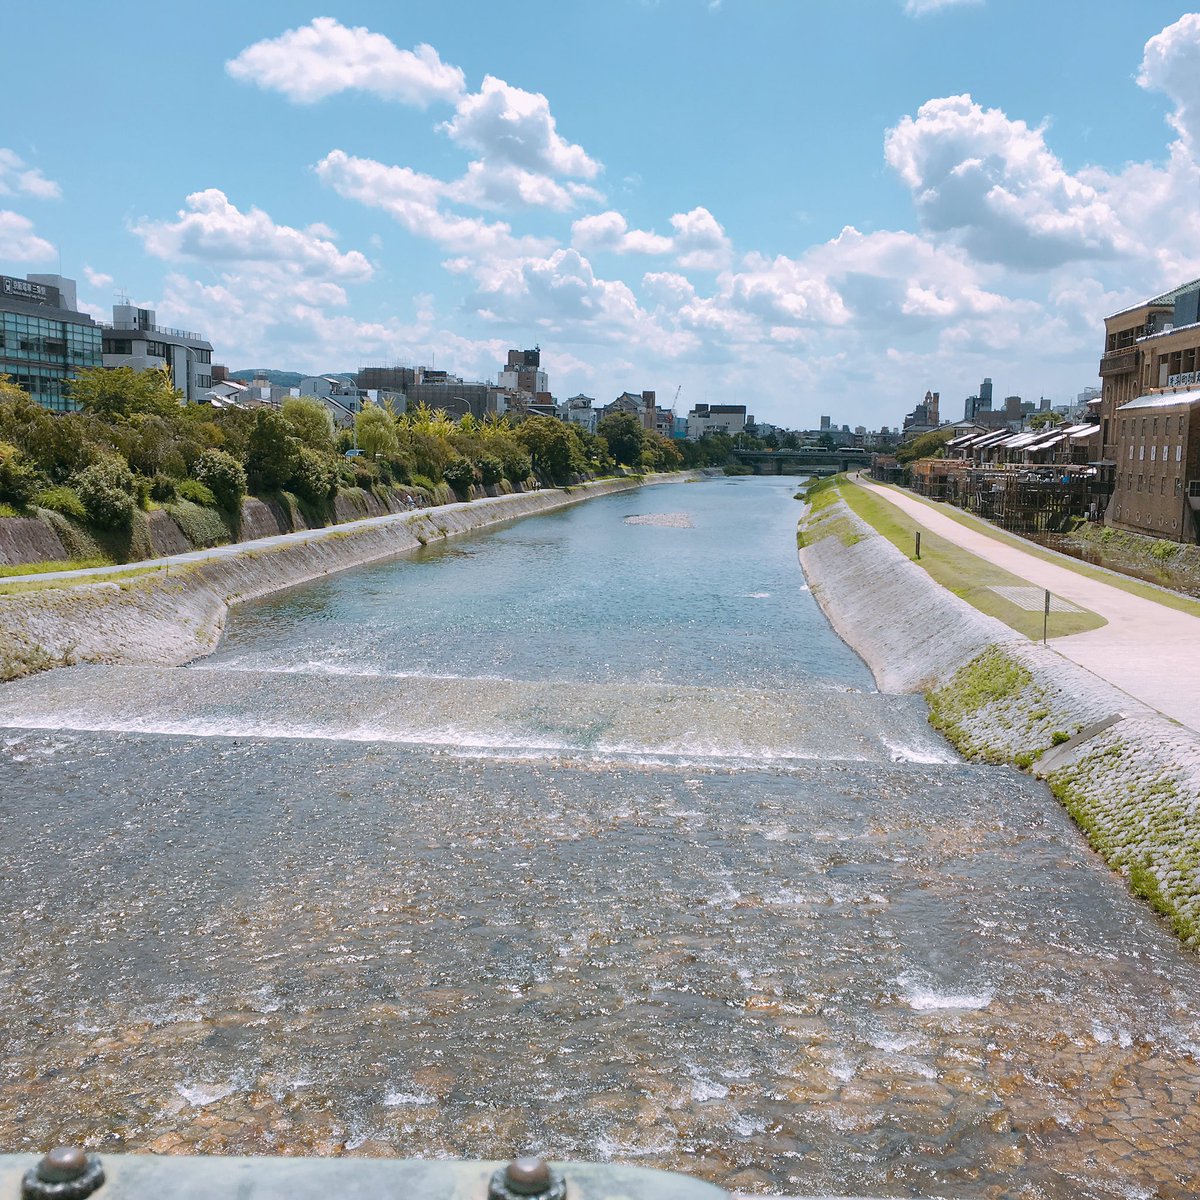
804,211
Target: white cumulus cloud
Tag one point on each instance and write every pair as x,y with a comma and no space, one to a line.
994,184
413,199
325,57
212,229
17,178
18,241
922,8
1171,64
507,124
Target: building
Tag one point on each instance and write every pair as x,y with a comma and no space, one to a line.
1150,411
44,339
523,372
386,379
1124,370
717,418
925,417
135,340
581,411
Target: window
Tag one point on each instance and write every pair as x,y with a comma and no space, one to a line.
1141,453
1178,485
1153,453
1139,483
1154,426
1178,453
1162,485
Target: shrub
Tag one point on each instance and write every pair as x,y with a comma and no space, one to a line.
107,490
162,488
62,499
491,469
315,476
224,477
459,474
195,492
201,526
517,466
19,479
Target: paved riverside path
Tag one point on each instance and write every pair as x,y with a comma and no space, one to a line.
1148,650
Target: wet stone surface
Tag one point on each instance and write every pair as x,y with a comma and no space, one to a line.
903,980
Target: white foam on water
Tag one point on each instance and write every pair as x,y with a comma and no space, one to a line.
755,595
928,752
396,1099
924,1000
201,1094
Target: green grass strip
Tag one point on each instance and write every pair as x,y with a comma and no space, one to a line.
1135,587
959,571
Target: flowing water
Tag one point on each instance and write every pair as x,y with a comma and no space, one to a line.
585,835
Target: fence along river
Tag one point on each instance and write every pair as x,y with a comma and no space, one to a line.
585,835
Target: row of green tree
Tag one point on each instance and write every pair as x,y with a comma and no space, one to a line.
133,444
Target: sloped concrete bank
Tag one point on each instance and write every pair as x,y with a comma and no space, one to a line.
172,613
1129,776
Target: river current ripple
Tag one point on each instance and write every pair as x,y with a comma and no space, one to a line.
586,836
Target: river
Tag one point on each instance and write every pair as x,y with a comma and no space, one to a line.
586,835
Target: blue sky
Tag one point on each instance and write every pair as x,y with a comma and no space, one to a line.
807,207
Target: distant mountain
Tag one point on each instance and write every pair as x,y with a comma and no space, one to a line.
285,378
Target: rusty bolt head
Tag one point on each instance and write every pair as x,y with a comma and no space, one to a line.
62,1164
527,1176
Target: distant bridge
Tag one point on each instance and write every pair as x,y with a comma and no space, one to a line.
804,462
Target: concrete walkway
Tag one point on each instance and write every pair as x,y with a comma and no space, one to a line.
1148,650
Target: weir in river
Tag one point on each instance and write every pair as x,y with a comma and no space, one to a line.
584,835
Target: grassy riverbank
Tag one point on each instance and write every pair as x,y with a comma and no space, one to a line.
1128,776
960,572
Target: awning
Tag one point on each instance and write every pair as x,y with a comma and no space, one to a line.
1161,400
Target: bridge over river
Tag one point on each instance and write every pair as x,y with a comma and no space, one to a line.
803,462
584,835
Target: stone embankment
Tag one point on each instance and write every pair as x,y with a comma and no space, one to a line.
1129,776
174,612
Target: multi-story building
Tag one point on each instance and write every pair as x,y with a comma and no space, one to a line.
1150,414
581,411
717,418
44,340
523,372
1124,373
134,340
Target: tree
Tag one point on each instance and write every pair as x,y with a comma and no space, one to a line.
272,453
315,477
310,422
1046,420
550,447
375,427
223,475
926,445
625,437
122,391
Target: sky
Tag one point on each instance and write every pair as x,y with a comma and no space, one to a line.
809,208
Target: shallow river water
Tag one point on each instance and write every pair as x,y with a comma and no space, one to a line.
582,835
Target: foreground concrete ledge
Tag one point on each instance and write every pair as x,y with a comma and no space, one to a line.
1128,775
193,1177
171,611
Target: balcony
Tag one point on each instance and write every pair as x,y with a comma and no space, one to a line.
1118,362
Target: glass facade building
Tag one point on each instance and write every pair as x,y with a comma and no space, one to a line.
42,343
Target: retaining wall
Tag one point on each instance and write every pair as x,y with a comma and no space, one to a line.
1128,775
173,614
